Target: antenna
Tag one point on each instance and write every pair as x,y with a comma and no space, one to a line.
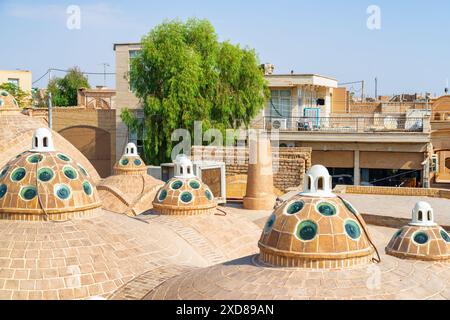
105,65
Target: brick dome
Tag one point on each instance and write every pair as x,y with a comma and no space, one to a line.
422,238
8,102
184,194
130,163
315,229
45,184
130,190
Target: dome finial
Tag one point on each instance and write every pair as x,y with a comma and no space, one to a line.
42,141
318,182
183,167
130,150
422,215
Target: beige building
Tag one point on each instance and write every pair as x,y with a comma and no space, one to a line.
21,78
125,97
380,143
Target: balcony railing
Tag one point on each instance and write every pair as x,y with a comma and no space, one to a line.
343,124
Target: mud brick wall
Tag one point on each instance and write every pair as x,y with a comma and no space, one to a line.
289,165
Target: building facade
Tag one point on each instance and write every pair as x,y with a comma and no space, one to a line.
20,78
385,143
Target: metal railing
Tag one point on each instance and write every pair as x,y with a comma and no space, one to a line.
343,124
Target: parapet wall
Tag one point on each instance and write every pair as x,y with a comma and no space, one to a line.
417,192
289,164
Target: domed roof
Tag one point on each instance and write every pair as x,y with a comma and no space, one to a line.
44,184
422,238
17,131
184,194
131,190
314,231
130,163
7,102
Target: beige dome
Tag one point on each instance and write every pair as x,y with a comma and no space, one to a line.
7,102
184,196
422,238
130,190
312,232
45,185
17,132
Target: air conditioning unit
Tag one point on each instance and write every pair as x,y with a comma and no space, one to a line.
434,164
279,124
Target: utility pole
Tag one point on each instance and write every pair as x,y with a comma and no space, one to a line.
104,72
362,91
50,115
376,88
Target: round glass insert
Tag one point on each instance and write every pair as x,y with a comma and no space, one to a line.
35,158
307,230
186,197
444,233
352,229
63,157
162,195
83,170
208,195
194,184
45,174
87,188
326,209
2,102
421,237
28,193
3,190
176,184
295,207
269,223
124,161
4,93
18,174
349,207
70,173
137,162
4,172
62,191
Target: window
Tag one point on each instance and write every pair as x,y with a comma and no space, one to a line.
131,55
279,105
447,163
14,81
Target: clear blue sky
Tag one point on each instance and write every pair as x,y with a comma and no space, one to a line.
410,53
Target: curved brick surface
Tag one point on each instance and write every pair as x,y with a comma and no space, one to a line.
84,257
246,278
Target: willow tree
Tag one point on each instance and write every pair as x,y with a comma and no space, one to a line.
184,74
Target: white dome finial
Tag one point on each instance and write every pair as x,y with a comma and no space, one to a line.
130,150
183,167
42,141
422,215
318,182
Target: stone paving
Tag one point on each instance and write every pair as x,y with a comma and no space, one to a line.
247,278
399,207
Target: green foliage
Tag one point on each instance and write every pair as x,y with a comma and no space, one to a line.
184,74
64,90
23,98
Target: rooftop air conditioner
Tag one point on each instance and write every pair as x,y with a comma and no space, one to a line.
279,124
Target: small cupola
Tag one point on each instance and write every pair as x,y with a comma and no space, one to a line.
422,215
317,182
130,150
183,167
42,141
